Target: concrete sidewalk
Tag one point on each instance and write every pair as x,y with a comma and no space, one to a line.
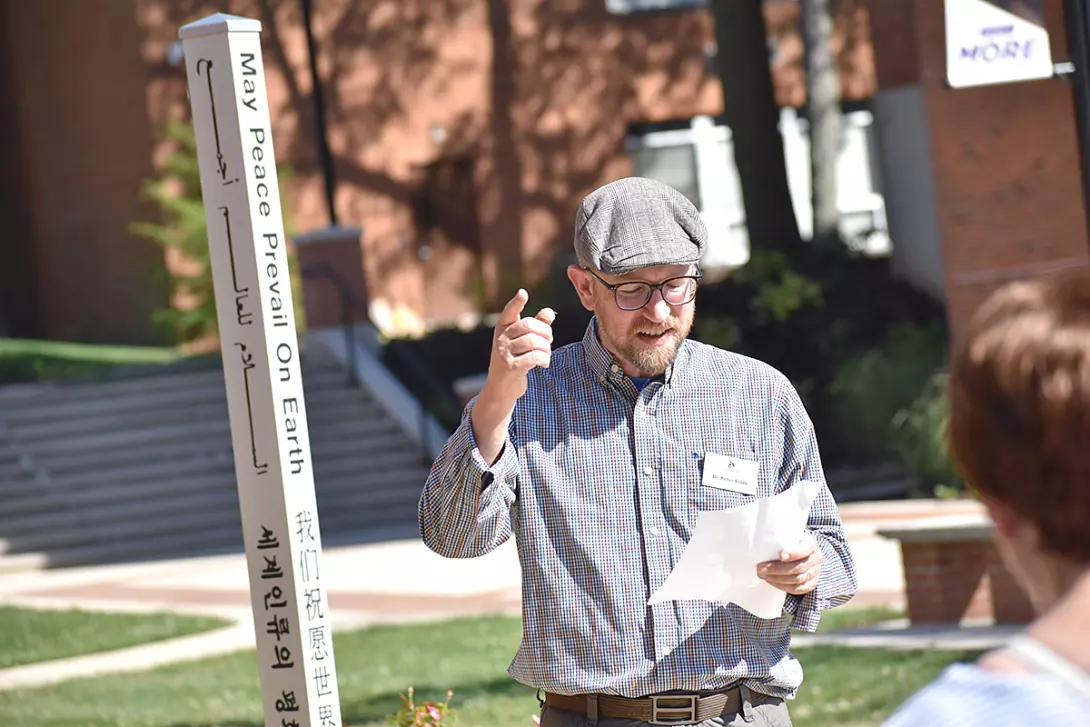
401,576
399,582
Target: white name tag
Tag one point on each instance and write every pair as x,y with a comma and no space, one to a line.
730,473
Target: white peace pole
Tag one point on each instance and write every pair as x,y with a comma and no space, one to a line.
261,371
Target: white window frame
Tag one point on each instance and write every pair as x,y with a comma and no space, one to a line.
850,202
729,237
627,7
728,244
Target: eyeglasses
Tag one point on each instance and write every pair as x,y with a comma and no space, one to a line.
635,295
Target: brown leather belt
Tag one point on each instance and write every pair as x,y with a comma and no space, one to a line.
664,709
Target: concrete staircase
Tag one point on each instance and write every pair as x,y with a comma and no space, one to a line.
141,466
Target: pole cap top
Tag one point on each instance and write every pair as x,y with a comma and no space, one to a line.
219,23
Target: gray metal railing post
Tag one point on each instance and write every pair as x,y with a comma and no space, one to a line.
425,386
349,329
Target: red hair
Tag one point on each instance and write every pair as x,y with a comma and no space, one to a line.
1019,391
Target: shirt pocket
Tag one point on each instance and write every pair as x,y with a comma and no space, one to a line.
704,497
685,477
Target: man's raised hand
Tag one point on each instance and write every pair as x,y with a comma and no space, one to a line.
518,345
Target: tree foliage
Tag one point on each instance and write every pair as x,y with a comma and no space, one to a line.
191,315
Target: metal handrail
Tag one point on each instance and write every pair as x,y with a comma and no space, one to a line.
353,308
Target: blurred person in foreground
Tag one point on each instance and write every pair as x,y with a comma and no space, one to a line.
598,457
1019,431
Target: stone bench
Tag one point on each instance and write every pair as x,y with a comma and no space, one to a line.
953,572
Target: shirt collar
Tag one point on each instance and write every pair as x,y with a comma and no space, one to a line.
604,367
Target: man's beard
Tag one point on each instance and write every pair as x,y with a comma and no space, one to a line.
650,361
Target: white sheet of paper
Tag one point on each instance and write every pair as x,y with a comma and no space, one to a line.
720,562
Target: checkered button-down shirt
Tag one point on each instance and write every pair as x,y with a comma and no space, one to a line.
601,485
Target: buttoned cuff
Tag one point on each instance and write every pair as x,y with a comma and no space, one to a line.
805,611
504,470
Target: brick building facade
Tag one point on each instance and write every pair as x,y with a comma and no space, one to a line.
982,184
463,134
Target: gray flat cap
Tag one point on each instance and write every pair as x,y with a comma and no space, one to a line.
635,223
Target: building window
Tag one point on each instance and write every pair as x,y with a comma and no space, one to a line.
625,7
859,189
672,164
697,158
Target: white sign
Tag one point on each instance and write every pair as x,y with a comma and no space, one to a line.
273,465
996,41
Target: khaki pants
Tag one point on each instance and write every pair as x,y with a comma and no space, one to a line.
760,715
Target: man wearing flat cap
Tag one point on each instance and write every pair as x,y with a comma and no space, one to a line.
599,457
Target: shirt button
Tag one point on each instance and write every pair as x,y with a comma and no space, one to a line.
654,531
649,470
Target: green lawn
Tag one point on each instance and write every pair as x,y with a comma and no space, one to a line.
29,636
843,687
33,360
851,617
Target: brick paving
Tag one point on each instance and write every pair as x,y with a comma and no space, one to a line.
500,601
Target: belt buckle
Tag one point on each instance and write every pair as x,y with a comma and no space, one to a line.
665,715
